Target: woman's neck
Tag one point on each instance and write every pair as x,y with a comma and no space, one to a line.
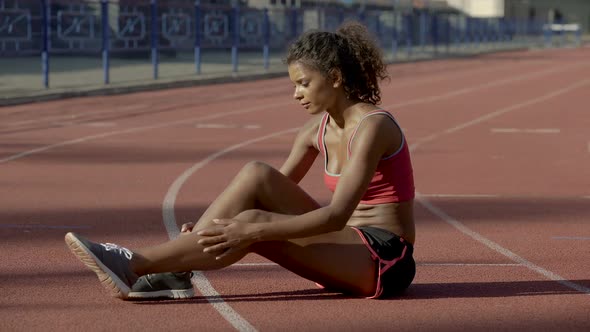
347,112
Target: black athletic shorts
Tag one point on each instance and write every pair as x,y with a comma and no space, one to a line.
393,254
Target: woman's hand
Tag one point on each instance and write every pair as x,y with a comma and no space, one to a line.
227,237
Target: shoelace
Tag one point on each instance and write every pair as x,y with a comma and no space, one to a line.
122,250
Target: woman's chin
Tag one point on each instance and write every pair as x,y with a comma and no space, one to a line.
314,111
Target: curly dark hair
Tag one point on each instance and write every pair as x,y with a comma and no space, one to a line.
352,50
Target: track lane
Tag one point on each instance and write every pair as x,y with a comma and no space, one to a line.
157,140
505,288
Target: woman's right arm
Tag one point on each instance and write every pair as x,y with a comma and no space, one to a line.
303,152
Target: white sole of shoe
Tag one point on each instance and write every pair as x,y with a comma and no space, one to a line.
168,293
116,287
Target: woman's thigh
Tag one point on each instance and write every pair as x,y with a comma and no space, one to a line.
337,260
277,193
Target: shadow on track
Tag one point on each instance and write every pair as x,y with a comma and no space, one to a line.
415,292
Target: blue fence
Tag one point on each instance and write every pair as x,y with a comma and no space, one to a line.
126,27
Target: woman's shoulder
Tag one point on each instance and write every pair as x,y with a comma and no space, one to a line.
378,120
379,129
308,133
313,124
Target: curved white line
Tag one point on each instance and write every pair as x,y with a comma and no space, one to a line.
199,280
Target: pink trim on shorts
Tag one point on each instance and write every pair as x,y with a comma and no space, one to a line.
384,265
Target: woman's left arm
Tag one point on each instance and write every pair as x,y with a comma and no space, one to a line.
373,139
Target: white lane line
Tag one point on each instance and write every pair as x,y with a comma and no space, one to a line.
254,109
584,238
588,146
200,281
498,248
459,92
83,123
120,109
215,126
75,116
98,124
476,236
450,76
516,106
251,127
499,112
139,129
460,195
525,130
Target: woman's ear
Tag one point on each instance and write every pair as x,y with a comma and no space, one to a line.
336,77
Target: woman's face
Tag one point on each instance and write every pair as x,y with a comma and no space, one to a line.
315,92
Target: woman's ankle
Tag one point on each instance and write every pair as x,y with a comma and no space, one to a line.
139,265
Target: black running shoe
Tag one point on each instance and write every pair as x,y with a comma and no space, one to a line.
163,285
109,261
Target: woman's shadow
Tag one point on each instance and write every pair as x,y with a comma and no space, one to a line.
419,291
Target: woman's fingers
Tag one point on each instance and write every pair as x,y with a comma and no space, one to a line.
225,253
212,231
187,227
217,240
217,247
212,240
223,222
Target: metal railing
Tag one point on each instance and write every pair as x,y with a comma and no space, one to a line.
126,28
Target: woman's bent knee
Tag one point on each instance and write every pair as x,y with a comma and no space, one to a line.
257,169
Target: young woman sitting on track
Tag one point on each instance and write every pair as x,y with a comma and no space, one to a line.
360,244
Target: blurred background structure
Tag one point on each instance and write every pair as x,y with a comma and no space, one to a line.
63,46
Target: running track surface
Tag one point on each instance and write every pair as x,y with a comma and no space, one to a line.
501,153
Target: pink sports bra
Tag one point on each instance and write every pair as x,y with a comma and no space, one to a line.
393,180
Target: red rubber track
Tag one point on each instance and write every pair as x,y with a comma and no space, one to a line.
501,153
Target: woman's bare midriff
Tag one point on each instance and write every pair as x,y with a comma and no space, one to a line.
394,217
